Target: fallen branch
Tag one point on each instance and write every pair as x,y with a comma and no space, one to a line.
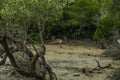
103,67
13,61
88,71
9,52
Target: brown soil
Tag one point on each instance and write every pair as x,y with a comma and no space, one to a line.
68,61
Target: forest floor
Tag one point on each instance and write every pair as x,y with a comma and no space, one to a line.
69,62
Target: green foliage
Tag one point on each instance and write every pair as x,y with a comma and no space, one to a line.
35,36
111,8
81,15
80,18
79,12
103,31
114,11
109,21
25,13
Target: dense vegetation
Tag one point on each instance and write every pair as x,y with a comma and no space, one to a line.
17,17
94,19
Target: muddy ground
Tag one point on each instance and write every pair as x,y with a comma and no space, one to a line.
69,61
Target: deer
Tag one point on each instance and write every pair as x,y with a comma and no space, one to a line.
57,41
